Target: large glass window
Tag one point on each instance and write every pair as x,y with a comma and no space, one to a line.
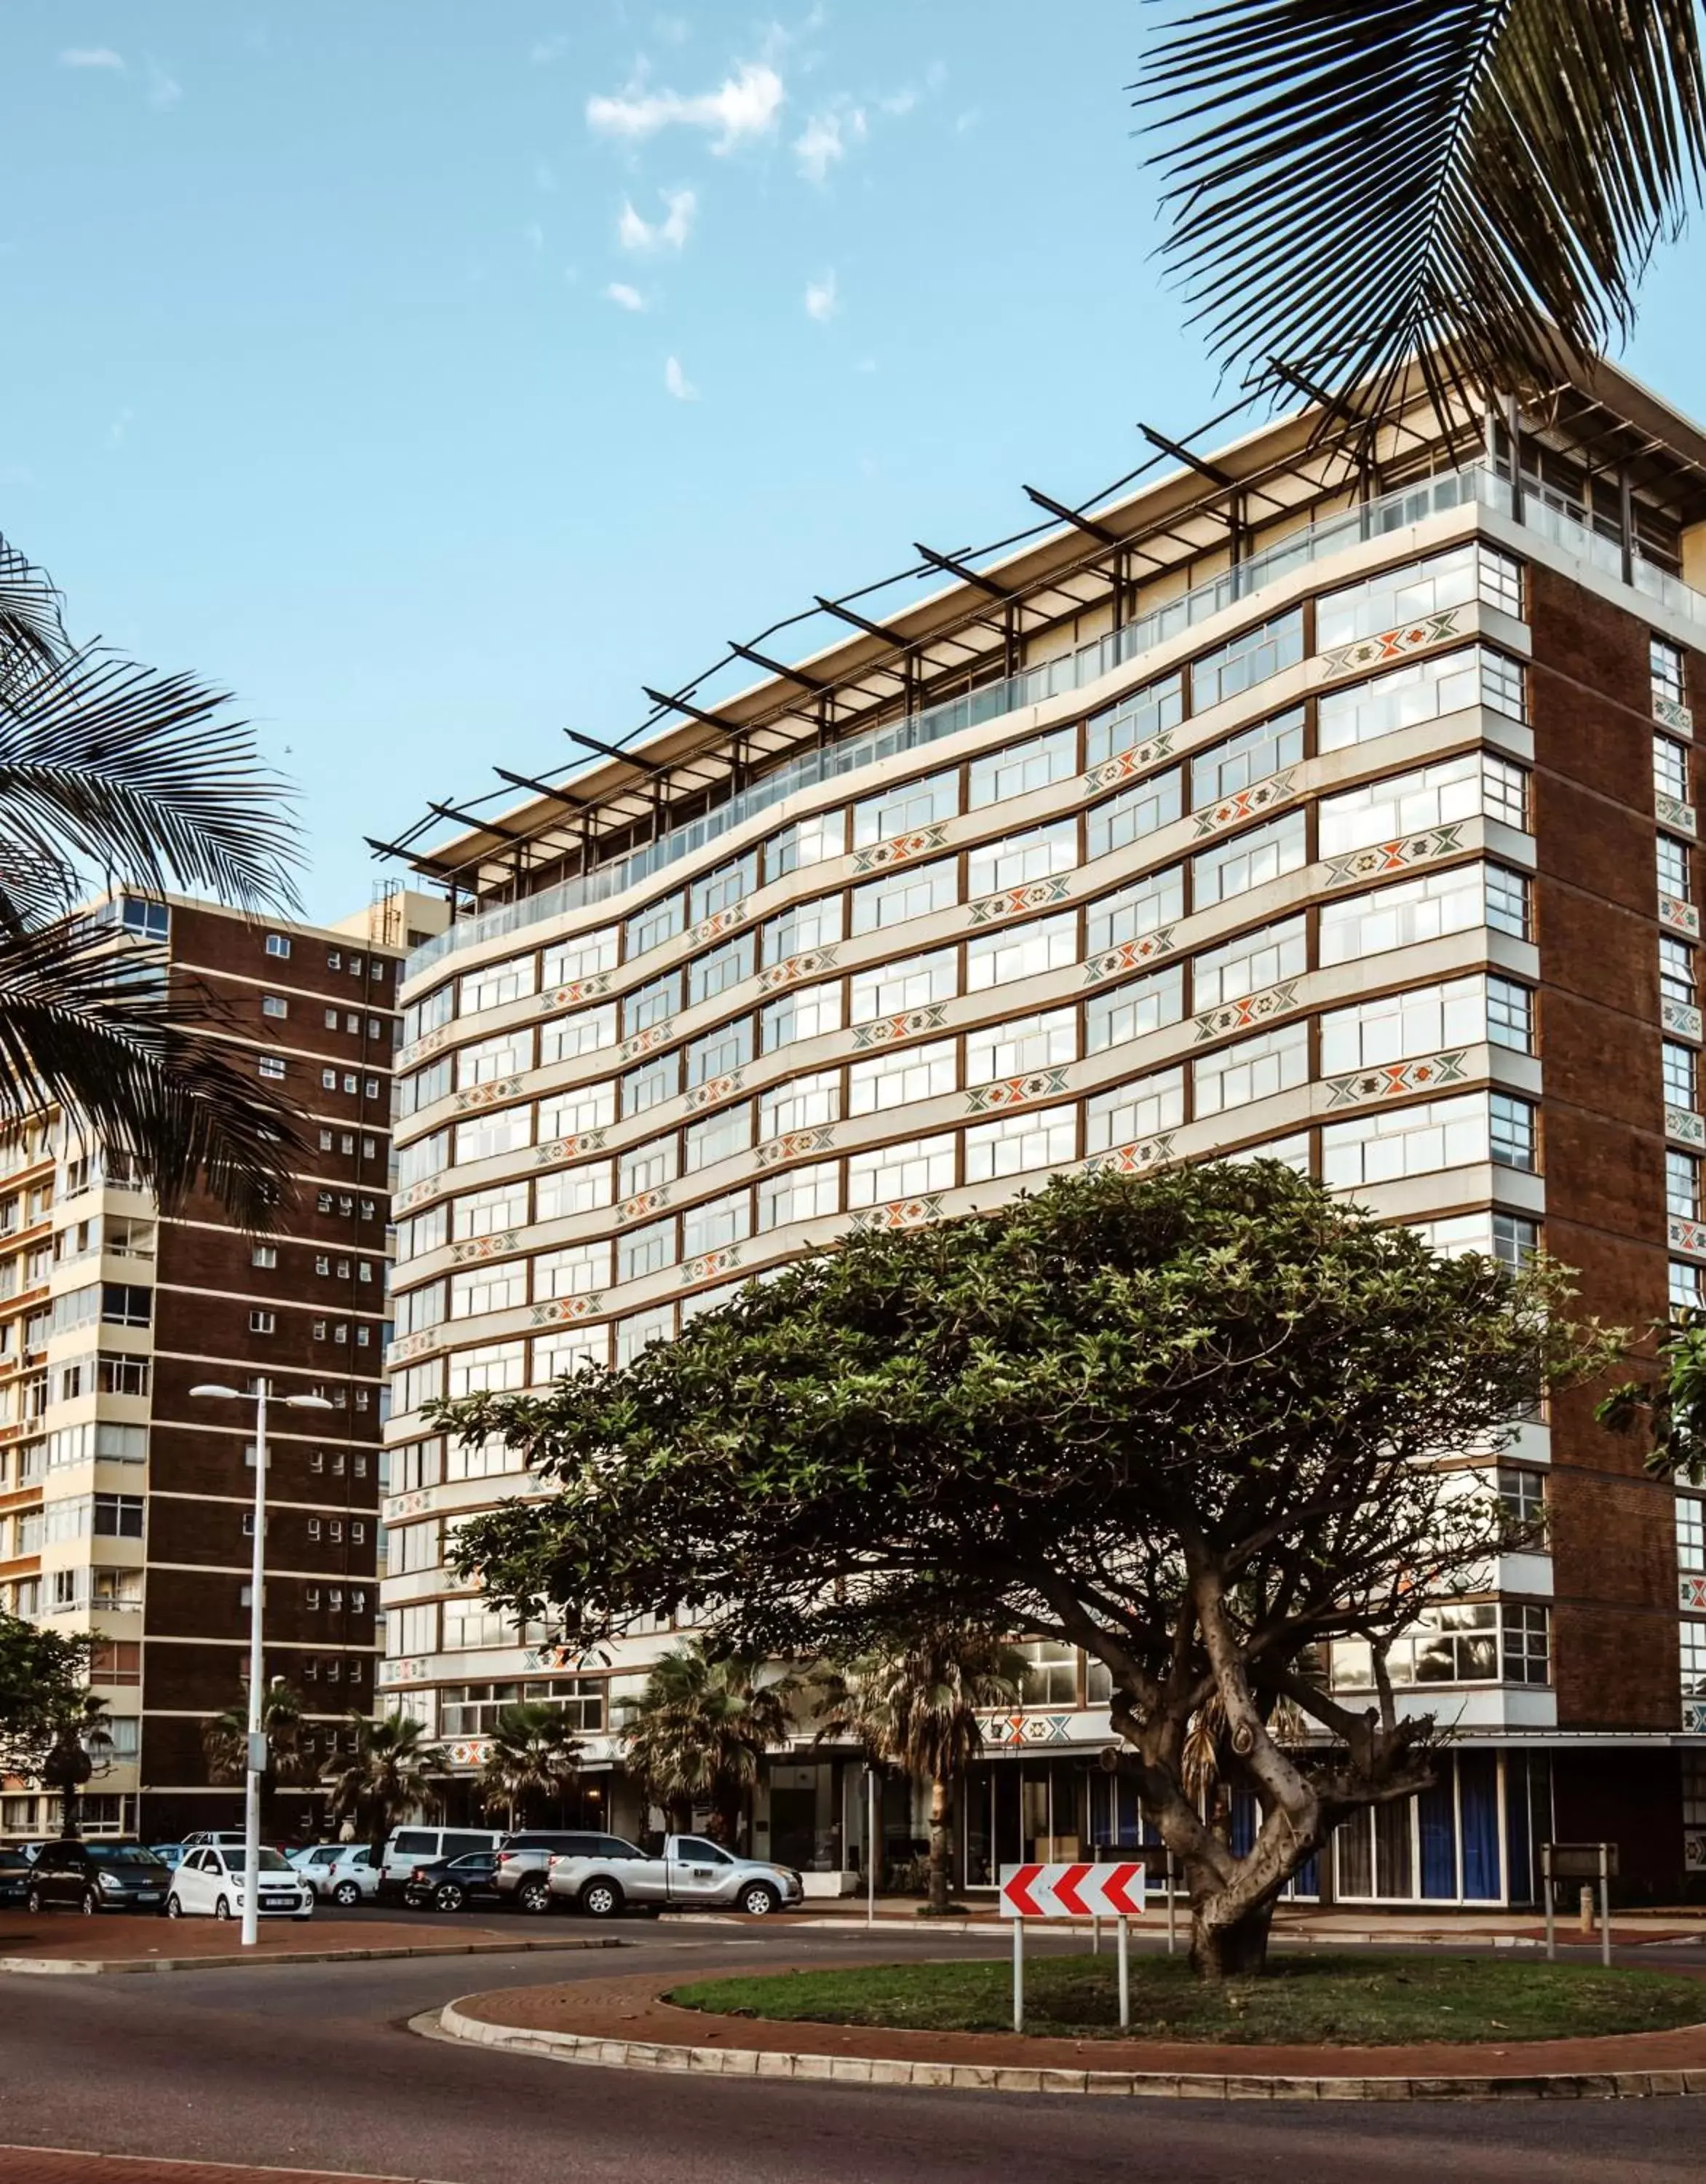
647,1167
1454,789
494,985
1250,964
1670,767
806,926
1155,900
913,983
489,1213
1019,1144
1419,588
811,841
1671,862
909,1170
651,1084
804,1012
902,811
568,1114
582,957
488,1287
1023,768
718,1138
1255,755
1020,952
651,928
584,1032
802,1194
573,1272
1129,1011
642,1251
913,891
503,1130
1252,1069
1133,814
715,973
1245,660
896,1078
1249,859
1425,690
1128,1113
581,1189
720,1052
1677,1067
652,1003
1137,719
1394,1026
803,1103
1022,859
719,1223
508,1055
1021,1046
491,1369
1388,1143
724,887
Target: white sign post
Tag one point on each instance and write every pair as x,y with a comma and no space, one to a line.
1070,1891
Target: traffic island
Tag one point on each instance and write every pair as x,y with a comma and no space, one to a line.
64,1943
1348,2029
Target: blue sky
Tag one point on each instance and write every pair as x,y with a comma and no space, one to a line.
434,374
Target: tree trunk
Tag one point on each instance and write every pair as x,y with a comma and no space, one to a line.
1229,1948
940,1792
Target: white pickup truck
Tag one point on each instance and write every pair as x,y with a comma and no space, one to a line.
692,1874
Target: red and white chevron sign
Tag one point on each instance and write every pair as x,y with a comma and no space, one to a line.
1072,1892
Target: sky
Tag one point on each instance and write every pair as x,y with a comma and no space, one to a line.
433,376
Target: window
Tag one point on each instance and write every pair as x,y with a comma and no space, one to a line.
146,921
896,1079
892,989
119,1515
1387,1143
1128,1113
1135,719
1677,1069
1523,1494
576,1271
492,1368
275,1004
913,891
652,1003
1155,900
1508,899
1252,1069
1423,1021
573,1191
1247,660
806,1193
488,1287
1247,965
1690,1536
489,1213
797,932
1022,769
1136,812
1514,1135
1020,1143
907,1170
271,1066
1677,971
1670,768
263,1323
264,1254
1681,1185
1021,951
500,1130
647,1168
582,957
723,888
642,1251
903,810
803,1103
420,1308
584,1032
651,1084
718,1138
1664,667
1022,859
278,944
811,841
806,1012
1129,1011
1050,1674
1427,690
488,1060
1255,755
1250,859
652,927
570,1114
1396,596
708,976
720,1052
422,1088
123,1304
1021,1046
1456,788
1672,862
1526,1648
1511,1015
716,1224
1687,1287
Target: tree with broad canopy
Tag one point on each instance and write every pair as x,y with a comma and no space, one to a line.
1201,1425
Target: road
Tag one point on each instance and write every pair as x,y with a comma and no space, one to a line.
313,2066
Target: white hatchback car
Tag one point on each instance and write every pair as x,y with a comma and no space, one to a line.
209,1884
344,1873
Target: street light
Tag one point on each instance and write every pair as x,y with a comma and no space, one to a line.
256,1753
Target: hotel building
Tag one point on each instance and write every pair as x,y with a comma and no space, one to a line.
124,1504
1298,799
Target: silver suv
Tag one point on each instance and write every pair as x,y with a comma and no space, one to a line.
524,1858
693,1874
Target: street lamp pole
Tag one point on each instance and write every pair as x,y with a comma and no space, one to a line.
255,1755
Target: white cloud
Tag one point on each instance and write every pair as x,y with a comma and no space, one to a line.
163,90
744,105
91,57
824,140
900,102
634,232
629,299
821,301
677,382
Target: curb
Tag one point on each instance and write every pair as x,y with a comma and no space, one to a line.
66,1967
993,2078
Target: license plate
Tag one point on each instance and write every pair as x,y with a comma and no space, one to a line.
147,1895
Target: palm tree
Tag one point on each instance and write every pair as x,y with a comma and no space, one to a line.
698,1732
388,1773
914,1705
1477,181
290,1758
115,775
533,1757
82,1748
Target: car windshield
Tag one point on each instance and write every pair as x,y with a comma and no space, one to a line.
121,1854
13,1859
269,1861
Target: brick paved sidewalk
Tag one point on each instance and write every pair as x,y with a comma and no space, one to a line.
41,2164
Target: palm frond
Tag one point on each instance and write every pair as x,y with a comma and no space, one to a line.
90,1026
129,773
32,626
1481,182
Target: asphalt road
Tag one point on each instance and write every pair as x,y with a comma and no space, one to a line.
313,2066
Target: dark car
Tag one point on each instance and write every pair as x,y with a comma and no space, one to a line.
14,1877
97,1876
451,1884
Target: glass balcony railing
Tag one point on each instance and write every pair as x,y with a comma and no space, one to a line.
1068,671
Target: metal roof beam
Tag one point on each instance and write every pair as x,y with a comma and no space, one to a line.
966,575
812,683
1087,524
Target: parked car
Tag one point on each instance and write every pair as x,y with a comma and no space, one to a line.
169,1854
33,1846
209,1883
339,1872
405,1848
451,1884
220,1838
109,1876
14,1876
524,1860
692,1874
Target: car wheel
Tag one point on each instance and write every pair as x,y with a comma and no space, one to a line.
447,1896
534,1896
345,1893
758,1899
174,1909
601,1899
222,1909
35,1903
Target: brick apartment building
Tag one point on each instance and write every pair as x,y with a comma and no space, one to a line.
124,1504
1286,805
